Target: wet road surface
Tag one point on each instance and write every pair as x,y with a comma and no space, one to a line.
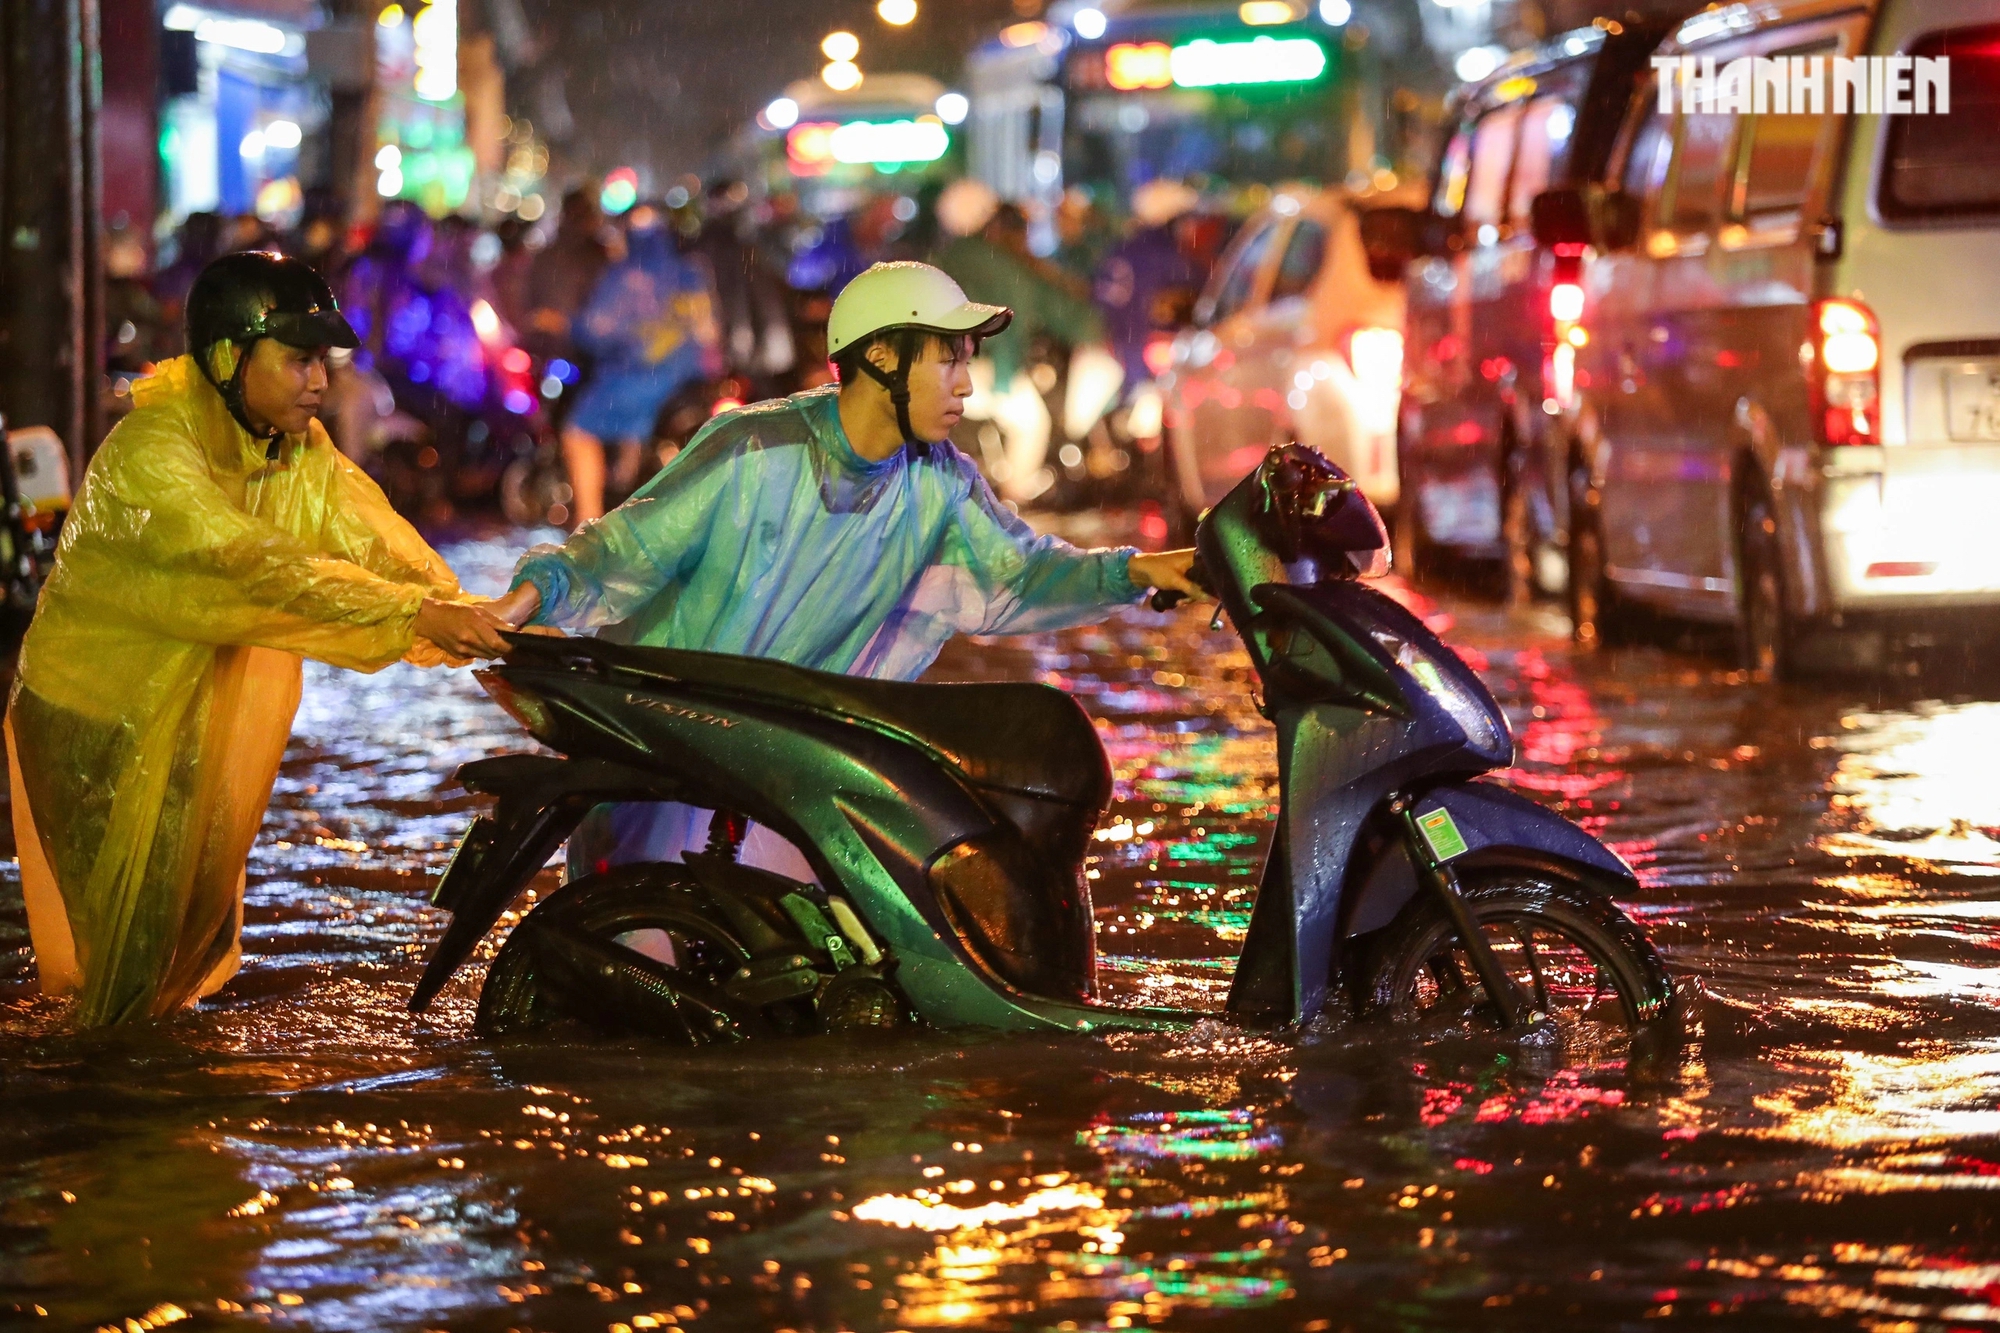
301,1152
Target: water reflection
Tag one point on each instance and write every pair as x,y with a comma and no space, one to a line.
304,1153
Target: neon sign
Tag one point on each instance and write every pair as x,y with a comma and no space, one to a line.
1209,64
1204,63
816,145
1130,66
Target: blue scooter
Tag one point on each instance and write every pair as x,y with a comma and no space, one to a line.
946,826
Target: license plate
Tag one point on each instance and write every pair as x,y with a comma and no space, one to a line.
1972,402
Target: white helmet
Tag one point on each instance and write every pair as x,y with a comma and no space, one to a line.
909,300
907,295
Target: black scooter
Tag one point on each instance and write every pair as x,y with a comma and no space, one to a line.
947,827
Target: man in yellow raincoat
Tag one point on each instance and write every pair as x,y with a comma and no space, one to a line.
218,537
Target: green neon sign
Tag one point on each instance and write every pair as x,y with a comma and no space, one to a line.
1206,63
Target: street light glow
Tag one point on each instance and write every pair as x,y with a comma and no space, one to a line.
1263,13
1477,63
782,113
841,76
840,46
897,13
952,108
283,134
1089,23
436,33
253,35
1335,13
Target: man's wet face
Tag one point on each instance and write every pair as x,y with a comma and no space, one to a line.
283,385
940,383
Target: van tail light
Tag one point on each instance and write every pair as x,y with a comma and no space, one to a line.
1375,356
1566,302
1843,360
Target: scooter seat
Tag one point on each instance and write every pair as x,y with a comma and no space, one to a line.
1032,740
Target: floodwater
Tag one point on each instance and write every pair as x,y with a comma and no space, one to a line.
302,1153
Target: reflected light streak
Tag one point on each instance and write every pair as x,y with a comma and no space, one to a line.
932,1214
1919,786
1862,1098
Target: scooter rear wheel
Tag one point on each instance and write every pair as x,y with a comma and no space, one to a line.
639,949
1582,963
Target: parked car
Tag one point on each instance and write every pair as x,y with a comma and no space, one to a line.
1789,384
1483,473
1296,337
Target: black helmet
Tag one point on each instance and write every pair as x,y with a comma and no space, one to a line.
256,294
260,294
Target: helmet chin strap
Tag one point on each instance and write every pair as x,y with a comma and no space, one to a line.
232,390
897,382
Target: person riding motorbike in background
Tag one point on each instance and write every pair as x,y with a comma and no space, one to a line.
1149,281
750,313
836,529
218,537
416,332
649,329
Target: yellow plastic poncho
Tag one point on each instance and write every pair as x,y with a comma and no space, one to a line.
159,679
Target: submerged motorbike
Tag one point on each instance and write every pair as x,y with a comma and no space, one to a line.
947,826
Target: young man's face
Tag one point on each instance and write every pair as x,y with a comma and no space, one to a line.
283,385
940,382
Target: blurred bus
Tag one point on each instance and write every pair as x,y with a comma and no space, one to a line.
1236,98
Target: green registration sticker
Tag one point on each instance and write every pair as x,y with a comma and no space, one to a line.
1441,832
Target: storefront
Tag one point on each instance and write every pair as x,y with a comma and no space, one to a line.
240,110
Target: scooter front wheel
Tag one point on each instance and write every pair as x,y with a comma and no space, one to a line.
1582,963
641,949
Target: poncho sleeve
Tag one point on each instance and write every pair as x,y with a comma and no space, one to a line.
1028,583
162,544
611,568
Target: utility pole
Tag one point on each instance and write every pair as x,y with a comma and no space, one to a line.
51,269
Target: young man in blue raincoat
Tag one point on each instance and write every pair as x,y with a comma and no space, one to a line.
835,529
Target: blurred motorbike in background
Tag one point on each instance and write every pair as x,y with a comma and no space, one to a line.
35,493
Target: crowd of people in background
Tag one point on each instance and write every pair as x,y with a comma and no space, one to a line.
586,349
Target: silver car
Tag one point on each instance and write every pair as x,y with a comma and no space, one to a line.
1295,338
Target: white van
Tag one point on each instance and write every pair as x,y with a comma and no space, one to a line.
1789,364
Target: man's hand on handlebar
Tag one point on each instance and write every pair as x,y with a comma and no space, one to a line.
515,608
1171,572
461,631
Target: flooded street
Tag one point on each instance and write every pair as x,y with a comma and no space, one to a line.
301,1152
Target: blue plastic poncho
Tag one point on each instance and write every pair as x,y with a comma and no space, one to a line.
770,537
650,325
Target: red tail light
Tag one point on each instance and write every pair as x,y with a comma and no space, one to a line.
1159,353
1843,360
